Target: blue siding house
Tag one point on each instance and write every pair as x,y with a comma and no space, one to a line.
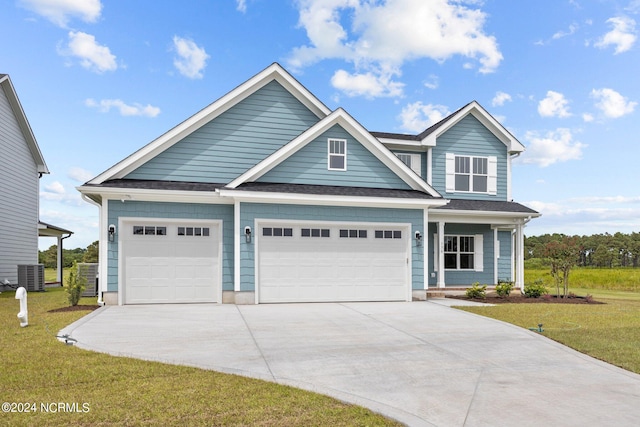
267,196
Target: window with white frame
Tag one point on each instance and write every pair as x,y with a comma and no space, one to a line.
471,174
459,252
412,160
337,154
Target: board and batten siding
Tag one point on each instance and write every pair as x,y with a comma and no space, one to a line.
249,212
18,196
132,209
309,166
469,137
233,142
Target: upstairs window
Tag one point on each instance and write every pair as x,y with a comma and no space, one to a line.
469,174
412,160
337,158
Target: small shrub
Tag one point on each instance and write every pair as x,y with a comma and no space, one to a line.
503,289
477,291
547,297
589,298
535,290
75,285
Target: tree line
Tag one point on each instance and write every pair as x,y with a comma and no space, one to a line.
69,256
598,250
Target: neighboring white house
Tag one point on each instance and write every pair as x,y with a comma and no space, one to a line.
21,166
267,195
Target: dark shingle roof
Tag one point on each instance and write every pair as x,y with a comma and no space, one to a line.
486,205
422,135
158,185
330,190
333,190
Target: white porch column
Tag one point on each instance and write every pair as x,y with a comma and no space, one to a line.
425,247
519,255
440,250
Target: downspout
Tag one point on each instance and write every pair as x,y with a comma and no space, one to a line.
102,278
61,269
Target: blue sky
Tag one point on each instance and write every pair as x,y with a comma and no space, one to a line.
99,79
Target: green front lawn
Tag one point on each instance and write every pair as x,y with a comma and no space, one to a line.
105,390
610,332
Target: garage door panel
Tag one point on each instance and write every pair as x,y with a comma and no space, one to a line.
170,267
298,268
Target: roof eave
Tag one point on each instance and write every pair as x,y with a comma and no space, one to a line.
23,123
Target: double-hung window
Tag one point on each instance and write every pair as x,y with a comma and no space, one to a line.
459,252
470,174
337,156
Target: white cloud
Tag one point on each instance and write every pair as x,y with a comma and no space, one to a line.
500,99
378,37
61,11
55,187
417,116
611,103
560,34
191,59
79,174
241,5
135,109
432,82
587,117
92,55
367,84
554,105
554,146
622,36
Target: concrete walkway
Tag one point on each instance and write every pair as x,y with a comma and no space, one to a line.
421,363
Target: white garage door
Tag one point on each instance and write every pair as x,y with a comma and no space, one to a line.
332,262
170,262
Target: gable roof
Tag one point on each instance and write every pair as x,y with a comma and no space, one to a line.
428,136
342,118
18,112
204,116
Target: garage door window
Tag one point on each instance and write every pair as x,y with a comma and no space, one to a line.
361,234
315,232
277,231
149,230
193,231
388,234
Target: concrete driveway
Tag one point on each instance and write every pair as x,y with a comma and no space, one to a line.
421,363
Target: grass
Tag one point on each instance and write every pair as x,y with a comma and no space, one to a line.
36,368
621,279
609,332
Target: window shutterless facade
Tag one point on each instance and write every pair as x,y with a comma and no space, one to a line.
337,154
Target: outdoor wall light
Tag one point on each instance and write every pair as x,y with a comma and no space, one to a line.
112,232
247,234
418,239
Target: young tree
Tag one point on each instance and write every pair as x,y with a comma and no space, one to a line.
563,255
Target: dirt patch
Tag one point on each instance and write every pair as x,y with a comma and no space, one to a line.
521,299
78,307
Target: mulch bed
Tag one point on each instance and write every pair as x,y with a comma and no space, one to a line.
521,299
78,307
